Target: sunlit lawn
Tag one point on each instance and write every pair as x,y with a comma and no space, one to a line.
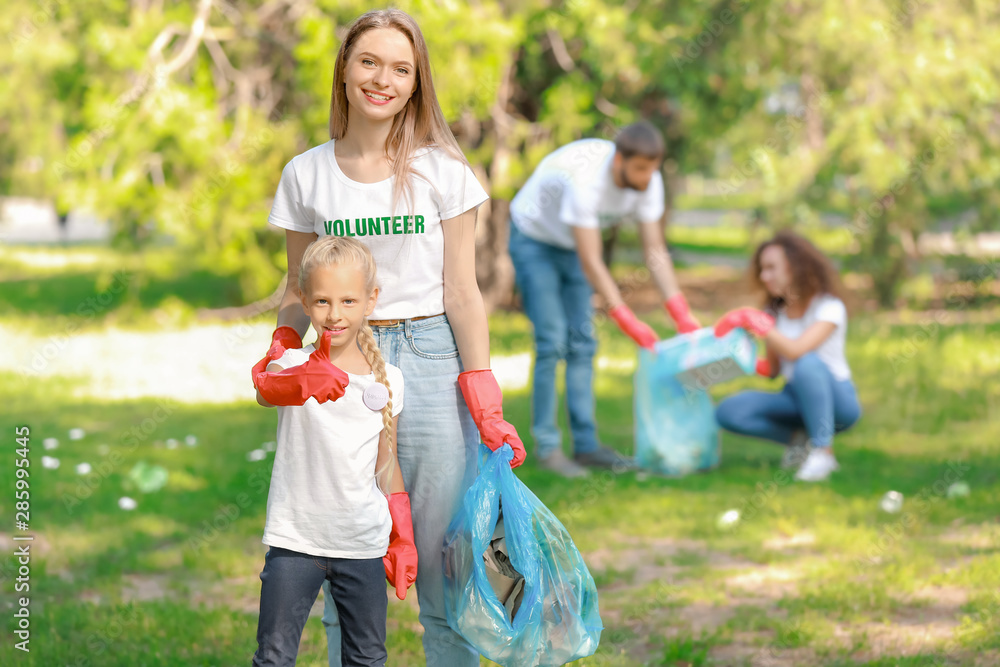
814,574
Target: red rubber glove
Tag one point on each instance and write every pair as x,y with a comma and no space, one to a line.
763,367
678,308
401,560
482,395
316,378
755,321
283,338
635,329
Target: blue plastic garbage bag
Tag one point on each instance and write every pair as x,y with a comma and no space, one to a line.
558,619
675,429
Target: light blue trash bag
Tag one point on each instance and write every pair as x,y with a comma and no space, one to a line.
558,619
675,429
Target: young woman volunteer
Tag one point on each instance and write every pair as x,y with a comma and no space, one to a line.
804,326
393,176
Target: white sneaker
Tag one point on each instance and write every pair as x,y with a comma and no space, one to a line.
796,451
818,466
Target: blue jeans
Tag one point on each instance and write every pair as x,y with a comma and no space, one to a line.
813,401
436,444
290,583
556,298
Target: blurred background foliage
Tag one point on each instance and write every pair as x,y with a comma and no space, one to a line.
174,119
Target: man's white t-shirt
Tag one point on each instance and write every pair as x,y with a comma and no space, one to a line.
822,308
323,499
574,187
407,239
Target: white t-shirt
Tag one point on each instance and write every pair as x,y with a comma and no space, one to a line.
574,187
822,308
407,240
323,499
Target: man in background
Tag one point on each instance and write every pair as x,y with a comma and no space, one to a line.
556,246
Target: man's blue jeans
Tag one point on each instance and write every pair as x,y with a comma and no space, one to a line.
437,444
556,298
813,401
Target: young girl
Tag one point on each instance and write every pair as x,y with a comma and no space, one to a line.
804,328
393,177
328,516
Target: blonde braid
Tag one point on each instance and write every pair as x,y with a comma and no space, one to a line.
366,340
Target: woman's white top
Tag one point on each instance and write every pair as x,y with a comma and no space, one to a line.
405,237
822,308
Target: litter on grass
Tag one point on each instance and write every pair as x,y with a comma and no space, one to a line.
50,443
147,478
50,462
892,502
729,518
958,490
76,434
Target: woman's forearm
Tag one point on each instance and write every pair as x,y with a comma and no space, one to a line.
290,312
467,315
793,348
784,347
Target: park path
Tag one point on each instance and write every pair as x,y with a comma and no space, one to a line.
201,364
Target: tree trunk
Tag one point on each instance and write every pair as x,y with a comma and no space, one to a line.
494,269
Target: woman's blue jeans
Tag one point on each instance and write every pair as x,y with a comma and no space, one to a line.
813,401
556,298
437,446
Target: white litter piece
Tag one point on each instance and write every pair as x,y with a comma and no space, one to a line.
729,518
958,490
50,443
256,455
891,502
191,440
76,434
127,504
82,468
50,462
172,443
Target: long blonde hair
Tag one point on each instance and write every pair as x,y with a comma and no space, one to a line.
339,250
421,122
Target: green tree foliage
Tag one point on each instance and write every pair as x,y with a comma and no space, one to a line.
176,117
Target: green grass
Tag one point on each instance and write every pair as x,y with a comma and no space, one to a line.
93,287
817,575
198,539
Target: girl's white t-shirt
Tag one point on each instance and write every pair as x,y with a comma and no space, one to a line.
822,308
574,187
406,239
323,499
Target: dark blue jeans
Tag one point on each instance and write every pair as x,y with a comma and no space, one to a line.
556,298
813,401
290,583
